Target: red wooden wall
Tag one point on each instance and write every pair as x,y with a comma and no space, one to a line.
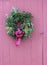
32,51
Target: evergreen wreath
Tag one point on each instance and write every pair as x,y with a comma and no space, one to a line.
19,24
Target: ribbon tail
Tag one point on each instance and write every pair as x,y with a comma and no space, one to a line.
18,41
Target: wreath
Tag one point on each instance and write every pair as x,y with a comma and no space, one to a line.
19,24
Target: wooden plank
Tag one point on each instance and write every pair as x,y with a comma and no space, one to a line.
1,45
37,40
45,32
5,38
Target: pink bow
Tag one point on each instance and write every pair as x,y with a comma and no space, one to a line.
18,34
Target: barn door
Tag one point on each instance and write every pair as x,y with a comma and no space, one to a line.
30,50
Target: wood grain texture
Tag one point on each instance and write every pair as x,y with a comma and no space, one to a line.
30,50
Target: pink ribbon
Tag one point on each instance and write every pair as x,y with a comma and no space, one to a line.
18,34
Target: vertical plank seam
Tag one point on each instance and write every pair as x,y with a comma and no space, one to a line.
43,32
